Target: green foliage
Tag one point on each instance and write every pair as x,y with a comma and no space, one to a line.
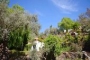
18,38
74,42
19,24
14,54
34,55
18,17
76,25
27,47
84,20
15,8
54,43
3,15
66,23
65,49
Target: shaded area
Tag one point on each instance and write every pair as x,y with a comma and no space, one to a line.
49,56
86,46
13,55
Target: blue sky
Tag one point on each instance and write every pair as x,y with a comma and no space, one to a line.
50,12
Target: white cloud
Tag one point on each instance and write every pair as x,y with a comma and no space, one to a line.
66,6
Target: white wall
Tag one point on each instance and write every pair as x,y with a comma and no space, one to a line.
38,44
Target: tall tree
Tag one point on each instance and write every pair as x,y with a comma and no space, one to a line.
76,25
84,20
34,25
66,23
20,24
3,31
18,27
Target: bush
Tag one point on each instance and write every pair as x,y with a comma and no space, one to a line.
55,43
27,47
52,43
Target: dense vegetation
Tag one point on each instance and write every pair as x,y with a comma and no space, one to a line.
22,27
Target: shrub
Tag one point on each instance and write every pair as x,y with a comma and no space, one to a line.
55,44
27,47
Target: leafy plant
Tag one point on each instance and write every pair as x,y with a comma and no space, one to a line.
55,44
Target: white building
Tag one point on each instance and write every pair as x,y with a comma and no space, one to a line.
37,45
